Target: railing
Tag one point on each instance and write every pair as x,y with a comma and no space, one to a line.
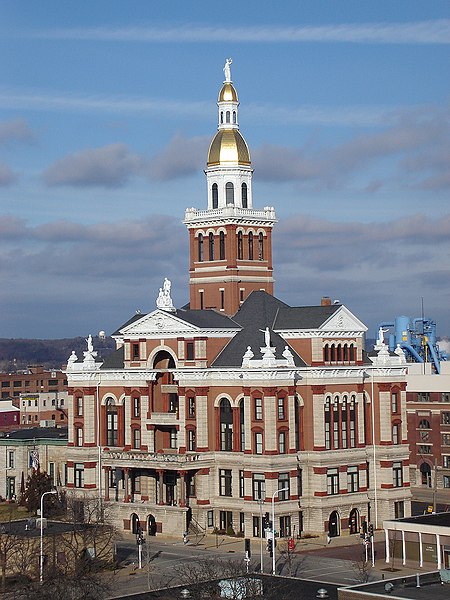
165,418
139,456
230,211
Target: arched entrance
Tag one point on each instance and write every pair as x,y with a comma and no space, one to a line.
425,470
135,524
353,522
151,528
334,524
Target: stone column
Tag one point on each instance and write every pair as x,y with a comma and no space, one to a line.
182,490
126,497
160,486
107,471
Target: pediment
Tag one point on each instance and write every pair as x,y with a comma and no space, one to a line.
343,320
159,323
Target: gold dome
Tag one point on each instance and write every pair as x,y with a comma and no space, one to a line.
228,93
228,146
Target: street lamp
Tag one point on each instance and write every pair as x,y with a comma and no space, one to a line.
41,557
276,492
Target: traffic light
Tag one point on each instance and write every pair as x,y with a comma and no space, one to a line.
371,530
266,521
248,551
364,527
270,546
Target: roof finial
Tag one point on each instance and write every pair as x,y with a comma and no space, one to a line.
227,70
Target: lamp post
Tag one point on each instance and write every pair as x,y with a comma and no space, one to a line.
41,556
276,492
261,502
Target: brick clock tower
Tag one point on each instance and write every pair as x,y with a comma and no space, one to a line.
230,241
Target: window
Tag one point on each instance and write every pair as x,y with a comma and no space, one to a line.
17,383
78,475
332,482
227,116
281,408
51,472
11,459
446,418
191,440
226,425
423,396
136,406
211,246
424,424
260,247
190,351
136,438
135,351
396,434
397,474
244,195
447,481
258,442
352,479
225,481
445,396
191,407
394,402
446,439
250,246
241,484
111,425
215,194
424,449
259,486
446,461
79,436
328,423
336,423
200,247
241,295
210,518
283,484
241,426
222,246
399,509
229,193
201,299
344,417
239,245
258,409
282,442
173,438
300,483
222,299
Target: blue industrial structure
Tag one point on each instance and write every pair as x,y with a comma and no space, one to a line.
417,337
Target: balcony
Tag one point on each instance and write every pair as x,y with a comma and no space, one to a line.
149,460
163,418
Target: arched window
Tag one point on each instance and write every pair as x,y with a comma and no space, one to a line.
239,245
241,426
244,195
333,353
339,353
211,246
336,423
221,117
297,423
111,423
344,422
326,353
352,353
229,193
227,117
352,422
424,424
200,247
226,425
261,247
345,353
328,423
215,195
222,246
234,117
250,246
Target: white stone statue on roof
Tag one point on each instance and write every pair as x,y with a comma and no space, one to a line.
266,333
164,301
90,345
227,70
287,354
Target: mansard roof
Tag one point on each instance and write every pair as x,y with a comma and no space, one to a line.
207,319
304,317
114,360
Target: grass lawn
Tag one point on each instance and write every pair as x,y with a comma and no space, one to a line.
12,512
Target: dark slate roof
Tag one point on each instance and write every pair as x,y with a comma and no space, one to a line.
114,360
134,318
304,317
206,319
35,433
257,312
441,519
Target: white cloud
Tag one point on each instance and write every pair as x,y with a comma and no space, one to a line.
15,130
7,176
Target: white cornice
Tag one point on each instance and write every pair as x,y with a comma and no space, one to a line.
318,333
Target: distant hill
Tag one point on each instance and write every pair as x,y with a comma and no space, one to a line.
16,355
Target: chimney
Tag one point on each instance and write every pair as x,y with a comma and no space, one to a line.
326,301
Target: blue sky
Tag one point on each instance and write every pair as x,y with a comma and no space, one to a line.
106,113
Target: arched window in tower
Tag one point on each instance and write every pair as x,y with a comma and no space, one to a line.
250,246
221,117
229,193
226,425
234,117
244,195
222,246
215,196
211,246
239,245
228,116
200,247
261,247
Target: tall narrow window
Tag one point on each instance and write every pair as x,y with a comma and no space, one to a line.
328,423
136,439
211,246
191,440
135,351
241,426
222,246
261,247
336,423
221,117
258,442
344,415
244,195
215,195
352,422
111,424
200,247
136,406
190,351
250,246
229,193
222,299
226,425
79,406
201,299
234,117
239,245
227,116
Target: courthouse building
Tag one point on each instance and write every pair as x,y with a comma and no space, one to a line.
205,413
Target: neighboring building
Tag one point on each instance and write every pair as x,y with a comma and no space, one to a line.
9,415
46,409
428,411
32,381
23,450
205,410
412,587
